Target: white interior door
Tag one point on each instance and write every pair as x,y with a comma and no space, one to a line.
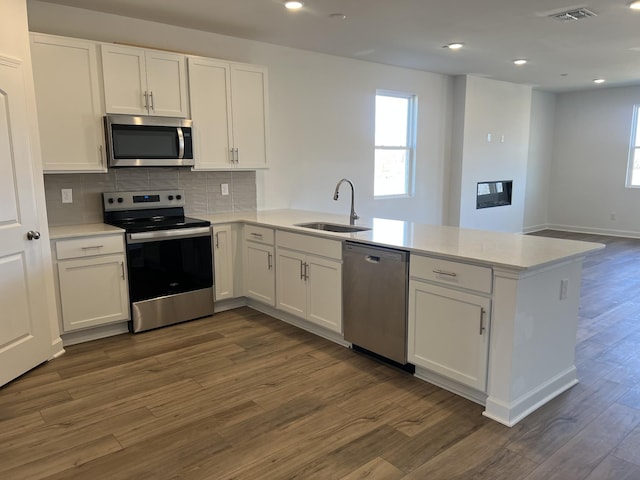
25,337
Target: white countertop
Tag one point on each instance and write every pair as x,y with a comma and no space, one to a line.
82,230
510,250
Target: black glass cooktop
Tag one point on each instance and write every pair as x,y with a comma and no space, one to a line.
135,221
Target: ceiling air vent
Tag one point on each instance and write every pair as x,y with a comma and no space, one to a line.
573,15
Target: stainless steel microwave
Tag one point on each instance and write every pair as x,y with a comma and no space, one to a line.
142,141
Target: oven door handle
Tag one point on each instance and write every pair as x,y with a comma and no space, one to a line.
168,234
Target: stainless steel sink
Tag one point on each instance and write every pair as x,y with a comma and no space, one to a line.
333,227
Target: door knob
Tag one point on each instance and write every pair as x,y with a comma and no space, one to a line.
33,235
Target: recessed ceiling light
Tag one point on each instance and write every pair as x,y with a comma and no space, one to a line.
635,5
293,5
454,46
520,61
599,80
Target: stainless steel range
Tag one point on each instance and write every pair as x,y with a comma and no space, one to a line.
169,258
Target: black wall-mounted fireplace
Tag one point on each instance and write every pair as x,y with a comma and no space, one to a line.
494,194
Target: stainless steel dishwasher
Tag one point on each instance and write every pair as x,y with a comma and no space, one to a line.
374,299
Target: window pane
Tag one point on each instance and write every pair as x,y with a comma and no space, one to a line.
637,129
390,172
391,121
635,173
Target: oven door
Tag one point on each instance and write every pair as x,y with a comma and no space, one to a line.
169,262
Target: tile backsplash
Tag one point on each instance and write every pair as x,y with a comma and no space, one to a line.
202,191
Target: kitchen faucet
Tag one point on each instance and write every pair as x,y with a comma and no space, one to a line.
353,216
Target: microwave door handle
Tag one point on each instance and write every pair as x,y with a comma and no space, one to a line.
180,144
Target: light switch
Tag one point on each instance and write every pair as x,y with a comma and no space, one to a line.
67,195
224,189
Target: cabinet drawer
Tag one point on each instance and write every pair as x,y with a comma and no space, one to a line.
463,275
89,246
259,234
310,244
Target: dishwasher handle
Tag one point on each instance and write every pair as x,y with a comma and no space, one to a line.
372,259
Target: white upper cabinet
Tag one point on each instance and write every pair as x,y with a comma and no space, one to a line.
209,90
68,95
249,100
229,109
144,82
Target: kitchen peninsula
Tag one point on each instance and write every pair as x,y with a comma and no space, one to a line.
492,316
519,352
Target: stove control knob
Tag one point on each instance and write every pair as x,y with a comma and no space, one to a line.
110,200
120,199
179,197
170,197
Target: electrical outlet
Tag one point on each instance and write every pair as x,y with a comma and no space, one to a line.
224,189
67,195
489,138
564,288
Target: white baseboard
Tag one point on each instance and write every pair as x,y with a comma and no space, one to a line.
535,228
511,413
57,348
298,322
229,304
450,385
73,338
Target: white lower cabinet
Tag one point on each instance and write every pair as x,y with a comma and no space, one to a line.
223,261
449,332
258,261
92,281
308,285
291,283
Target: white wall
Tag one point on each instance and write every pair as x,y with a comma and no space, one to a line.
322,113
502,110
539,162
590,153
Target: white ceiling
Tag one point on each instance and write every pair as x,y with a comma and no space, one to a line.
411,33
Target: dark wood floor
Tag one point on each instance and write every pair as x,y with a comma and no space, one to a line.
244,396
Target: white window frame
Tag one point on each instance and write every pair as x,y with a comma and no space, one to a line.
632,147
412,111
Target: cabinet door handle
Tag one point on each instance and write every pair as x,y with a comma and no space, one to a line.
237,155
256,235
306,271
151,102
92,247
122,268
444,272
301,270
269,260
146,101
482,327
231,155
217,243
